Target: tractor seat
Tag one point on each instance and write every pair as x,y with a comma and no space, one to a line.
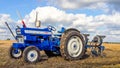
62,30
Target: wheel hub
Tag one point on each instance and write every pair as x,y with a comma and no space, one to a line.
32,55
74,46
16,52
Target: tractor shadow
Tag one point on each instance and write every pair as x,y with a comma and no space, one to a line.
44,58
85,56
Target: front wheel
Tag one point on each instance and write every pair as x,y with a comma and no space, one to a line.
15,53
31,54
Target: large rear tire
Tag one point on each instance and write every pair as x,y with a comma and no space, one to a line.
31,54
72,45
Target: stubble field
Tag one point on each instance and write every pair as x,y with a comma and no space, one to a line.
111,60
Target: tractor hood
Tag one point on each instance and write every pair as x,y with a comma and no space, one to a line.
35,31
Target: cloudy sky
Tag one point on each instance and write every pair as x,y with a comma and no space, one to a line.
101,17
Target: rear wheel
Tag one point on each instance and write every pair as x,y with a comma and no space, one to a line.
15,53
31,54
72,45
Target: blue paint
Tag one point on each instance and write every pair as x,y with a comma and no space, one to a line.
41,38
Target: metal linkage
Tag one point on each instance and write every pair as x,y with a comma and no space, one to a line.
97,51
96,46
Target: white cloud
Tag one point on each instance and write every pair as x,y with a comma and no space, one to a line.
4,32
70,4
49,15
105,5
100,24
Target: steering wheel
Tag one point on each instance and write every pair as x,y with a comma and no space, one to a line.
51,28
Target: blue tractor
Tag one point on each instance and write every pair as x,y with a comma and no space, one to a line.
68,43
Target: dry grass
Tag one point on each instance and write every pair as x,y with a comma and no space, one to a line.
112,59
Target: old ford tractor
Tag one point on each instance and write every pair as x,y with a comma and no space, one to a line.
69,43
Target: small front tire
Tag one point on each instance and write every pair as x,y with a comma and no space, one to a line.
15,53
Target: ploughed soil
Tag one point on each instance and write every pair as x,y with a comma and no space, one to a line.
110,60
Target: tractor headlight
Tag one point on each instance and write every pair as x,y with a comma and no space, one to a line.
20,39
18,31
